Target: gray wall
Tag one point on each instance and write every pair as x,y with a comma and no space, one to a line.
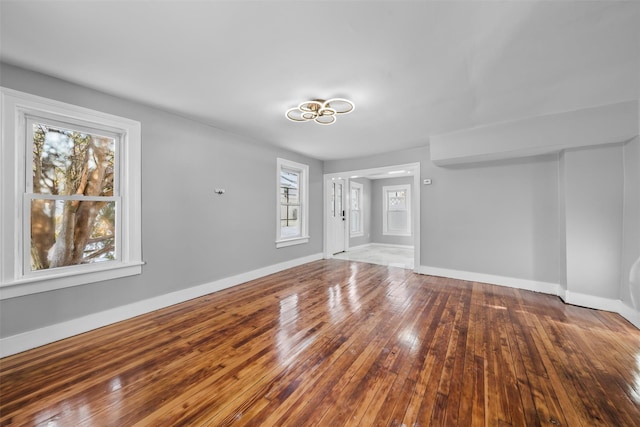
497,218
377,203
190,236
594,183
630,268
571,218
504,217
366,213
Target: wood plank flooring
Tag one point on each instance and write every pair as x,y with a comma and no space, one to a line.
335,343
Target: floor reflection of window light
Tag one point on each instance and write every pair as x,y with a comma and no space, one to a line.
635,388
407,337
392,256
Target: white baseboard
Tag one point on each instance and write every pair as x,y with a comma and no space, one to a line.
590,301
512,282
362,246
606,304
372,244
574,298
629,313
38,337
392,245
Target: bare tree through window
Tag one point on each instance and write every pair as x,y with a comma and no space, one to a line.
73,211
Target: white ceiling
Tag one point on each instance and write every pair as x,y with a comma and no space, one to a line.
413,69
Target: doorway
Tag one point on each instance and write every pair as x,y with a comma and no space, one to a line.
340,224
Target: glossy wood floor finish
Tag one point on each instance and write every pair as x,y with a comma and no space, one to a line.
335,343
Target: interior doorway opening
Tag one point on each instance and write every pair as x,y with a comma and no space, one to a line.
373,215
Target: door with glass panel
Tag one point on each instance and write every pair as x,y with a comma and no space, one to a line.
337,219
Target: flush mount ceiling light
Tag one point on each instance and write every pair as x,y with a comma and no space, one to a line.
320,111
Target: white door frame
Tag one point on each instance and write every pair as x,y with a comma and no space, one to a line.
415,204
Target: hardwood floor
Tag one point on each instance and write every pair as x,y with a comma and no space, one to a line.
336,343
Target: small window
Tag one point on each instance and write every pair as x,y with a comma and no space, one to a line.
357,220
396,215
71,206
292,215
290,223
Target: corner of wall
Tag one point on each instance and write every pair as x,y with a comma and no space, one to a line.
630,261
562,226
574,298
615,306
629,313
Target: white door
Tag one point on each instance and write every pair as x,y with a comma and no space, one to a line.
337,218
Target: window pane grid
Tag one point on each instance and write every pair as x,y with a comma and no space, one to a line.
291,209
289,203
357,226
339,200
60,239
397,200
71,201
397,215
333,199
74,197
67,161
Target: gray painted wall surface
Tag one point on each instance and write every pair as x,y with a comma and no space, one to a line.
497,218
506,217
593,208
190,236
377,202
366,214
562,224
571,218
630,270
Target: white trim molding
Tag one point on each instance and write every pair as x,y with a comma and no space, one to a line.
374,244
511,282
392,245
48,334
568,297
379,245
606,304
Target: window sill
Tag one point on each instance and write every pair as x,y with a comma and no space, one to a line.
290,242
34,285
356,235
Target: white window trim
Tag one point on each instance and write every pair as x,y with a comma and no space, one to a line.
15,106
385,202
304,203
360,231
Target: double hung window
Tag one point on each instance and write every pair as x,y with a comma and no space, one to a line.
70,195
357,226
396,215
292,214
